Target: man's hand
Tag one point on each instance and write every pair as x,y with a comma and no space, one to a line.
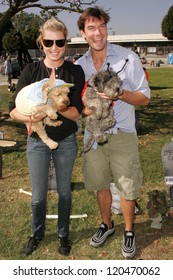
103,95
87,111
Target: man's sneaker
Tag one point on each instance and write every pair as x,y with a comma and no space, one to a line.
101,235
129,245
65,246
31,246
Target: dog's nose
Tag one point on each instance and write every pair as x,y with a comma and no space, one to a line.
66,102
117,89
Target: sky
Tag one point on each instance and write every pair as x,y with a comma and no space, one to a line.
127,16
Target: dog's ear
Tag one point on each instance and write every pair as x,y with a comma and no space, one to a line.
91,80
45,90
98,83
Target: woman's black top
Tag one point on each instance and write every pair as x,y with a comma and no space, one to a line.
69,73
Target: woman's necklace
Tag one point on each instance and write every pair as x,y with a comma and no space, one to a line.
50,72
53,72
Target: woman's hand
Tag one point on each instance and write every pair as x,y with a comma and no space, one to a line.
37,117
34,118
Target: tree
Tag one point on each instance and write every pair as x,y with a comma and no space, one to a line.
8,42
27,25
24,21
16,6
6,29
31,33
167,24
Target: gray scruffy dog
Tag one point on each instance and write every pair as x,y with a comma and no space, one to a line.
103,113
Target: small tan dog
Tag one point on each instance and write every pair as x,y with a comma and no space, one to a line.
47,96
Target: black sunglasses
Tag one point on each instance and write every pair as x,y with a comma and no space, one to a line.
49,43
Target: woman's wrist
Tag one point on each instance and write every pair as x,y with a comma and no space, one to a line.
29,125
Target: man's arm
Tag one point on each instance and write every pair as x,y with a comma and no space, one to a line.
134,98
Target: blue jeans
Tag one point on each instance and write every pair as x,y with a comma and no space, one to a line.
38,157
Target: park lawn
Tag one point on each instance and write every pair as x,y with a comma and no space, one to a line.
15,216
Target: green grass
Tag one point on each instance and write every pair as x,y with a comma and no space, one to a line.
15,214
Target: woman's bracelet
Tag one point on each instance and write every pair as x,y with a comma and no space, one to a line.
30,124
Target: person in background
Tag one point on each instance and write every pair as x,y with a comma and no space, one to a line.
23,56
8,71
52,41
118,158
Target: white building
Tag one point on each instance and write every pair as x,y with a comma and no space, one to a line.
145,43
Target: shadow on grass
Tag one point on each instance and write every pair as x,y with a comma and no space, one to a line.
156,117
148,237
159,88
12,124
150,242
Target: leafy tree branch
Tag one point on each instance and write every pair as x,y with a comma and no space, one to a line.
16,6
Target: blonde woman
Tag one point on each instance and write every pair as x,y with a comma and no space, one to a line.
52,41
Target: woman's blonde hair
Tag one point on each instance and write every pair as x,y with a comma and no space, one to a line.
53,25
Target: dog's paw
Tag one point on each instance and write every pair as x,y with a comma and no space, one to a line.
53,145
111,123
101,139
58,123
53,116
54,123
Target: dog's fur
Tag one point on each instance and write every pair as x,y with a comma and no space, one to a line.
103,114
54,99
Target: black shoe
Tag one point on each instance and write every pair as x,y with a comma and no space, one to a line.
65,246
31,246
